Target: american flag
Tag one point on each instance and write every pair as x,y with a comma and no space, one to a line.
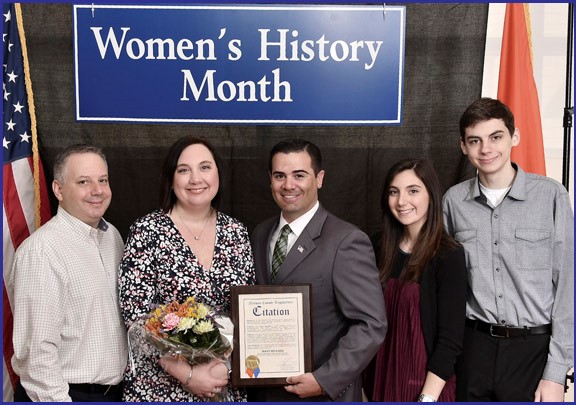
19,203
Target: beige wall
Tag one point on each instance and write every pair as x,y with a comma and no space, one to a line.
549,33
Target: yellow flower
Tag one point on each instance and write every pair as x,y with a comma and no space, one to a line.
202,311
185,324
203,327
198,311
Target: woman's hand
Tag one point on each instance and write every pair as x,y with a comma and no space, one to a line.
205,380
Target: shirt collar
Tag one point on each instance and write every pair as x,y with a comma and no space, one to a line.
79,226
298,225
517,191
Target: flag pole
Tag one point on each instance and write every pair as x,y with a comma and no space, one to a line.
32,111
568,107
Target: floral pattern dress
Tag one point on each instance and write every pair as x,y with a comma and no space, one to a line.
158,267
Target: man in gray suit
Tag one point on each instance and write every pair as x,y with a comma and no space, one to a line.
336,258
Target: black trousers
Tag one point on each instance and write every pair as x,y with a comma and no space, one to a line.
500,369
78,395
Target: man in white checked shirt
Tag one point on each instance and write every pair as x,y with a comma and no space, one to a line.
69,338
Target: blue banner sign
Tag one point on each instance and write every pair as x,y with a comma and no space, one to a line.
240,64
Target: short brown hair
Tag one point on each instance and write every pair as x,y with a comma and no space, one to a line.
76,149
485,109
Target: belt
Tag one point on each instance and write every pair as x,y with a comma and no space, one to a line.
95,388
501,331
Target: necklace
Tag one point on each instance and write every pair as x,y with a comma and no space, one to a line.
406,246
204,227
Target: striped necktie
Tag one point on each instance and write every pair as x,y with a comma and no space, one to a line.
280,250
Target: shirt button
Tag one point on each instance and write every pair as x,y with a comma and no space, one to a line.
500,296
496,216
496,242
502,321
498,269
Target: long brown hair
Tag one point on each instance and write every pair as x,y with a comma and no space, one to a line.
431,236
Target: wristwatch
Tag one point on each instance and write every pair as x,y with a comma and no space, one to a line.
426,398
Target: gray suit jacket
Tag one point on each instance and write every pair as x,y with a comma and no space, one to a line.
348,315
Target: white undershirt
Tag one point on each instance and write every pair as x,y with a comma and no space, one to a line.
495,197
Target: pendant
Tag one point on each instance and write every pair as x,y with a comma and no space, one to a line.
196,237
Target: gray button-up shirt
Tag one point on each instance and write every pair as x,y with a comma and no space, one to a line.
520,259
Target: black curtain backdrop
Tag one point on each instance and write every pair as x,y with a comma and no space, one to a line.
443,74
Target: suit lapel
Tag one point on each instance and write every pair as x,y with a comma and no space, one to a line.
303,246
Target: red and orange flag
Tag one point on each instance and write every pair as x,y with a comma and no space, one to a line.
517,88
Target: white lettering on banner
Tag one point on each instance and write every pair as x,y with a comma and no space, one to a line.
338,50
295,51
111,38
154,48
262,64
241,91
234,48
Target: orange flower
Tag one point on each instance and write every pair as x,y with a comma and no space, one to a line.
153,326
172,307
182,310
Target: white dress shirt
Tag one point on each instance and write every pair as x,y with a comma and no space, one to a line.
296,228
67,323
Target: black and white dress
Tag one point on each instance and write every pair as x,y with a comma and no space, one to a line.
159,267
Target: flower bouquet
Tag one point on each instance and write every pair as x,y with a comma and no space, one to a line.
189,329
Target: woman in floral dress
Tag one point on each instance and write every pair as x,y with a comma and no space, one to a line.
186,248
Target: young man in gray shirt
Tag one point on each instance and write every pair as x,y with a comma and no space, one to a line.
517,229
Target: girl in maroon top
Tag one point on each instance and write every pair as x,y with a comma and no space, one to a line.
423,273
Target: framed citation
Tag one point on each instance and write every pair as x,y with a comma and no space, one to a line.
272,334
